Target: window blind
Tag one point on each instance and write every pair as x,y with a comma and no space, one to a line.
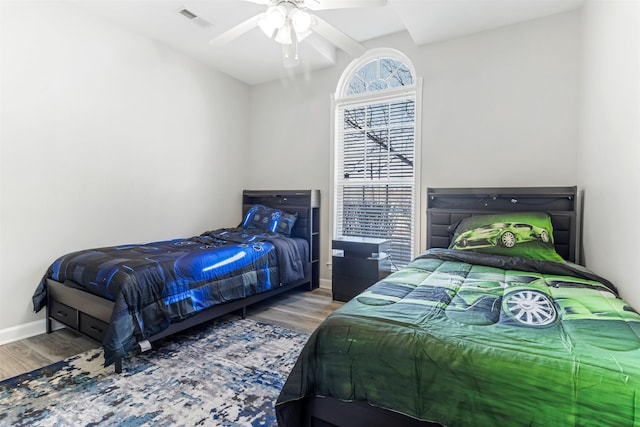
375,172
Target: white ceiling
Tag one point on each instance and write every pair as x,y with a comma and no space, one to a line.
253,58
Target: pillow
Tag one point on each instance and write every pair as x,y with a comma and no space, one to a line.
526,234
287,221
262,217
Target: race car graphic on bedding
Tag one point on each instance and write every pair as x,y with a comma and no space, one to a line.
503,234
522,299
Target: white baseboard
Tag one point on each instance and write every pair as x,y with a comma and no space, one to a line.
325,283
23,331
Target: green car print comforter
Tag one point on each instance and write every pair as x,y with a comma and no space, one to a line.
466,339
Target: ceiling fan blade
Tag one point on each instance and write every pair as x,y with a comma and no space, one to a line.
337,37
265,2
235,32
342,4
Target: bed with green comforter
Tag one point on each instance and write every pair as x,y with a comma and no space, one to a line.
471,339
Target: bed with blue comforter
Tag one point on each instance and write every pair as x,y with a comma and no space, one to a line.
154,285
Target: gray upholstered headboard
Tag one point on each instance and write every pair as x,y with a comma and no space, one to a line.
447,206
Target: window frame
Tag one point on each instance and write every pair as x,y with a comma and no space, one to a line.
340,101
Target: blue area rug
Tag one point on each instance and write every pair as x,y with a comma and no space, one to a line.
228,373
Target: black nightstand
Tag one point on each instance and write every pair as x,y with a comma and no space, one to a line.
357,263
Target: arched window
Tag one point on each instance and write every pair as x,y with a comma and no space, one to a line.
377,75
375,157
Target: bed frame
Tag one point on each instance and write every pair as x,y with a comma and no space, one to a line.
445,208
90,314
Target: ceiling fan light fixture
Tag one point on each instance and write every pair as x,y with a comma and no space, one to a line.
265,26
287,22
300,20
276,16
283,36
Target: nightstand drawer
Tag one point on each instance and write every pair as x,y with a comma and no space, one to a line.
63,313
369,268
93,327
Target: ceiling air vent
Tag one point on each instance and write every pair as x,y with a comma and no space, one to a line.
195,18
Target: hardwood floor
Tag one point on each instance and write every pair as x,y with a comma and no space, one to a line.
41,350
298,309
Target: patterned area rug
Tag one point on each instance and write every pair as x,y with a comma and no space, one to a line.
228,373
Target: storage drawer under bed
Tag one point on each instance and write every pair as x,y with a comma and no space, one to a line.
63,313
79,310
92,327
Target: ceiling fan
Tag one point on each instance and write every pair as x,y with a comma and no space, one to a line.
288,22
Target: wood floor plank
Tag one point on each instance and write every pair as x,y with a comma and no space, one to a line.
17,358
60,344
298,310
287,321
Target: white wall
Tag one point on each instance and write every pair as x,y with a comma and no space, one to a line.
106,138
609,156
500,108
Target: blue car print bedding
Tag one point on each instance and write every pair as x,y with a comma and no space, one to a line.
155,284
